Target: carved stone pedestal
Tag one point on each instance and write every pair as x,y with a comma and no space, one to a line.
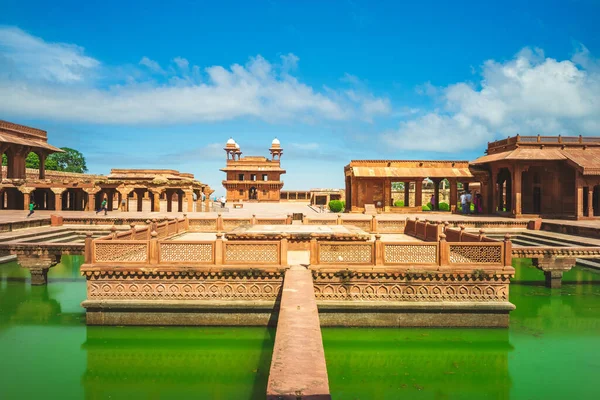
554,268
38,266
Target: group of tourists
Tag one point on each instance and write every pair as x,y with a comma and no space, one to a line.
223,201
466,199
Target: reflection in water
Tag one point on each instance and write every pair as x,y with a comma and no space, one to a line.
418,363
551,350
44,336
205,363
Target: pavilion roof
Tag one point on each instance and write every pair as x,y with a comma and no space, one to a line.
410,169
39,144
587,160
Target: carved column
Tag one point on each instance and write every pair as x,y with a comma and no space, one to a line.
42,157
407,194
156,201
578,199
453,193
207,204
91,200
418,192
516,190
189,197
590,203
436,194
58,198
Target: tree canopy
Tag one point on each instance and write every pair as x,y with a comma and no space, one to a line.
70,161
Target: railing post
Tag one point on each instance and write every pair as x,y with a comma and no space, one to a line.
444,251
416,224
304,220
374,225
378,248
219,222
113,232
219,249
176,225
338,221
446,225
460,234
314,251
186,222
148,229
481,235
154,225
153,248
132,226
507,251
425,230
253,219
284,249
88,247
288,220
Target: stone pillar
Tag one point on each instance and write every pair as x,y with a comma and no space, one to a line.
179,201
189,197
38,265
436,194
26,199
590,203
516,191
407,194
554,268
91,201
58,198
418,192
453,193
42,157
169,201
579,199
139,196
156,196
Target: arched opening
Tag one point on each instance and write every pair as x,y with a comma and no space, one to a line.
12,199
252,193
73,199
43,198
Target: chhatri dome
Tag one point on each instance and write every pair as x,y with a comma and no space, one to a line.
275,142
231,141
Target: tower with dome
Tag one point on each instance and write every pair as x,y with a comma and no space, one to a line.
253,178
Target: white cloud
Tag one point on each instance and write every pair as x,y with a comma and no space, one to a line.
35,59
257,89
151,65
529,94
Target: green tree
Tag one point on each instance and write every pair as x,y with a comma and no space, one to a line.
69,161
397,186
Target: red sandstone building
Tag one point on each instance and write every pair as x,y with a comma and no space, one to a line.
253,178
547,176
55,190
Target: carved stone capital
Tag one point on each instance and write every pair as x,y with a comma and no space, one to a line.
58,190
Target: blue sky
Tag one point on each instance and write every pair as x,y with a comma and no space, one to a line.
163,85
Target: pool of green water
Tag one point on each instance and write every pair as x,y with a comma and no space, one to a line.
550,351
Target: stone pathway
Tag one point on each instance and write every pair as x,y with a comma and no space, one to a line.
298,368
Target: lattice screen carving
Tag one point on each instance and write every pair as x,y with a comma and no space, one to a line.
390,226
351,253
188,252
483,254
410,254
252,253
127,252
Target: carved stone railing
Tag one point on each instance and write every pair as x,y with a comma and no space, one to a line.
115,252
441,254
558,252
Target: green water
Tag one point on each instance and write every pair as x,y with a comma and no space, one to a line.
47,351
550,351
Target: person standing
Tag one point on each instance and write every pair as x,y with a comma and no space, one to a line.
463,202
31,207
103,207
432,202
469,200
479,206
